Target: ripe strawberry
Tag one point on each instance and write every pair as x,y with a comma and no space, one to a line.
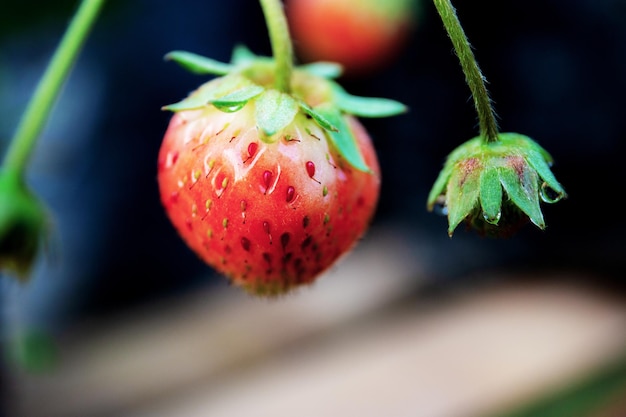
361,35
269,188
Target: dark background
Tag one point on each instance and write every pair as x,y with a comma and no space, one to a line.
556,73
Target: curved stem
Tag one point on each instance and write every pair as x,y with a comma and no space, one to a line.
473,76
47,91
280,39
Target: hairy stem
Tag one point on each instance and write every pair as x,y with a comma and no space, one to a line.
40,105
280,39
473,76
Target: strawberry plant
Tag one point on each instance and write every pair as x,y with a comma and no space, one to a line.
495,181
361,35
24,219
265,171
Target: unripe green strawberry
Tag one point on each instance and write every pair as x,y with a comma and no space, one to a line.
268,188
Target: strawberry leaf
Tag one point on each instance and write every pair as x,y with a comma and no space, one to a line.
275,110
342,138
198,64
366,106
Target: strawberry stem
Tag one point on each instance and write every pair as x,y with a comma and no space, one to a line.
473,76
280,39
47,91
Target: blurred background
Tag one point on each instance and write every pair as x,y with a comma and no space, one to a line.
121,318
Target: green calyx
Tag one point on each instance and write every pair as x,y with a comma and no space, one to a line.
250,78
477,174
23,226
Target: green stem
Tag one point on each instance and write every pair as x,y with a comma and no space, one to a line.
473,76
280,39
47,91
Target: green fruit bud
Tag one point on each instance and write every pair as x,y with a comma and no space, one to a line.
477,175
23,228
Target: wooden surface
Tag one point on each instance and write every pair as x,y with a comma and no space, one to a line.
353,345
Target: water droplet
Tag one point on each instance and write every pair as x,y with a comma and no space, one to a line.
549,194
492,220
291,193
440,207
230,108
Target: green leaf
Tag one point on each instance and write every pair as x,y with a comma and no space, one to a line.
328,70
198,64
274,111
523,190
342,138
491,195
366,106
238,98
321,120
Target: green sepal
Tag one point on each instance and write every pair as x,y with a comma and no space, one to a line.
216,90
522,187
440,185
328,70
237,99
365,106
342,138
242,55
23,226
198,64
491,195
321,120
275,110
538,163
462,193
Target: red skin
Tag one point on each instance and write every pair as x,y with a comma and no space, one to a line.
345,32
253,229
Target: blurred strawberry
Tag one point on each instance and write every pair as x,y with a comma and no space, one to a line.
362,35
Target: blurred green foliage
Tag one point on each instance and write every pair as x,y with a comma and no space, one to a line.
602,393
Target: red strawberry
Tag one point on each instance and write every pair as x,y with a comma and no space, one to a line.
361,35
269,188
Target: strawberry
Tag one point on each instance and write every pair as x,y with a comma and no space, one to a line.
361,35
269,188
